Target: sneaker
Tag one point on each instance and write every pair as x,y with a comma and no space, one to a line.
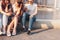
9,34
0,33
3,32
24,30
28,32
14,33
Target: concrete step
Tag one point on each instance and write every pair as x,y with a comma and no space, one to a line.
45,24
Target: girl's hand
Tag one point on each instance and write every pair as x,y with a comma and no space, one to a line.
31,16
8,14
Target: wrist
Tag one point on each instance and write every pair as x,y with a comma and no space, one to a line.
6,12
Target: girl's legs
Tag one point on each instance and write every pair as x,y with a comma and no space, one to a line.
15,25
24,20
5,21
0,24
9,27
13,22
31,22
0,27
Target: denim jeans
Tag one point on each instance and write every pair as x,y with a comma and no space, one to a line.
26,18
1,20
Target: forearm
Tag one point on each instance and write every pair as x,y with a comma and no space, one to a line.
2,12
34,12
8,14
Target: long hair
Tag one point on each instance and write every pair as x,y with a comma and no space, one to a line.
8,1
20,4
9,4
19,0
3,5
3,1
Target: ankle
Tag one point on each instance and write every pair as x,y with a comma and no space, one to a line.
14,30
8,31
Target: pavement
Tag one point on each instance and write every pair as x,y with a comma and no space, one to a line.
38,34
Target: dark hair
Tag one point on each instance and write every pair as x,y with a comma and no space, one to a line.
19,3
3,0
8,1
3,4
21,0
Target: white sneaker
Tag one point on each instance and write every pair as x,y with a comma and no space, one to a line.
0,33
3,32
14,33
8,34
23,26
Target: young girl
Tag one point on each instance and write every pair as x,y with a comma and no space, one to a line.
2,11
8,9
17,8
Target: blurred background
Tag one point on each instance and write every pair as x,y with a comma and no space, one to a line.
47,9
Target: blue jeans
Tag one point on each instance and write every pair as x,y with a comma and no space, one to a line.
26,18
1,20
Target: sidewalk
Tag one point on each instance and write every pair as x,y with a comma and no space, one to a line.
39,34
